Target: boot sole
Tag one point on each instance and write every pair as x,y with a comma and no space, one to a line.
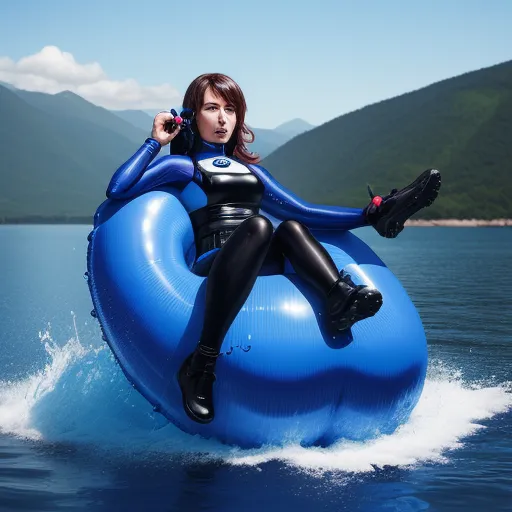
392,225
188,411
366,304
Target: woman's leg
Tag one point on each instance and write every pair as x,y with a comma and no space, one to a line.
229,283
346,303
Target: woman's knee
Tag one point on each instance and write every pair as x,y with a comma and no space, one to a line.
290,228
259,226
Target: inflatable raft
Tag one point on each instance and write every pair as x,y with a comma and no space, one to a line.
283,376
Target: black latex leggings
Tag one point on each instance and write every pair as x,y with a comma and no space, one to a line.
238,262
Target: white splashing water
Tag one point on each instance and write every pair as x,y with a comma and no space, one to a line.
82,396
448,411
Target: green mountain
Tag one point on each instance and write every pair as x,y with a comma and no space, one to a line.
57,155
461,126
73,108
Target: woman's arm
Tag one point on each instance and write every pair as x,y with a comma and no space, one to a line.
284,204
138,175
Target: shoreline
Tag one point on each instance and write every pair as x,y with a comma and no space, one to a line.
460,223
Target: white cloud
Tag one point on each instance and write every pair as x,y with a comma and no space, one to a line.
52,71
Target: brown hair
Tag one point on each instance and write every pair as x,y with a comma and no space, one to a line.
230,91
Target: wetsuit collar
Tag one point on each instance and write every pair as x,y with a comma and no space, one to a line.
209,150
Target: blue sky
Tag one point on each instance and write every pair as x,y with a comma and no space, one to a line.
315,60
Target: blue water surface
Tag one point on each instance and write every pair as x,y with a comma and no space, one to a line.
75,436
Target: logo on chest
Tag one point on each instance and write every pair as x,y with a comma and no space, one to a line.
221,162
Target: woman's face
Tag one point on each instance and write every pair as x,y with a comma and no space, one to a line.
216,119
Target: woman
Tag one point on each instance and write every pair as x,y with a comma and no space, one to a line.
223,189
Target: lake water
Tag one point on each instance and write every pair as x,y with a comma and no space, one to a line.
74,435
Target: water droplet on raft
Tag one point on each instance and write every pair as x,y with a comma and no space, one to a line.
93,314
86,276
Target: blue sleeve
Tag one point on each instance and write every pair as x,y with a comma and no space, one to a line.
283,204
138,175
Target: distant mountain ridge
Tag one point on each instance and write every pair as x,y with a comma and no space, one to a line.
294,127
58,152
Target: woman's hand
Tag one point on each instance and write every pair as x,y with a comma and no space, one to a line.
159,132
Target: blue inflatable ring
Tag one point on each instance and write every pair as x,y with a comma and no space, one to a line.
282,376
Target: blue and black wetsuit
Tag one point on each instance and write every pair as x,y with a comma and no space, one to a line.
220,192
235,242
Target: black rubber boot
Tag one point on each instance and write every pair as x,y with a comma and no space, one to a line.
348,303
388,214
196,378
